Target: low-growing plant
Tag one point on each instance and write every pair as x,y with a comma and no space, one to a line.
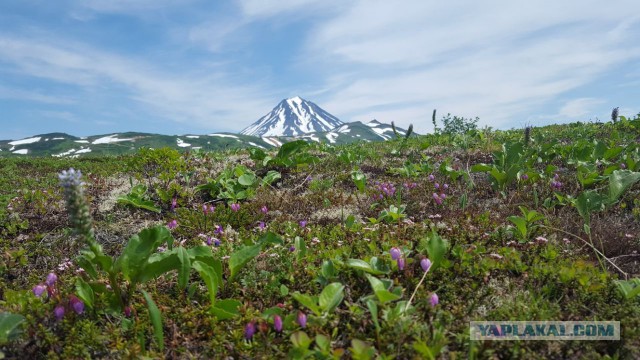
137,197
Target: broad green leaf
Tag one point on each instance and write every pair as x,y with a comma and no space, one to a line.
241,257
226,309
210,278
307,301
247,179
159,264
323,343
301,247
619,182
364,266
85,292
436,248
271,177
291,148
481,168
331,296
138,250
380,290
629,288
10,326
521,225
373,309
300,339
156,319
185,267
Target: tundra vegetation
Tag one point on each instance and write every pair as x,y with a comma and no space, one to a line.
366,251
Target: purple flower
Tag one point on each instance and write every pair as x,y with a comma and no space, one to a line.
218,230
51,279
623,166
205,209
401,263
302,319
436,185
264,209
127,311
445,186
209,240
431,177
76,304
425,264
39,289
172,224
443,196
292,248
216,242
235,207
249,330
174,203
302,223
277,323
395,253
524,177
59,312
212,208
434,299
262,225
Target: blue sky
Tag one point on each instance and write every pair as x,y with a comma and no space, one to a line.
89,67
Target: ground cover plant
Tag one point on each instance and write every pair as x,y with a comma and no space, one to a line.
367,251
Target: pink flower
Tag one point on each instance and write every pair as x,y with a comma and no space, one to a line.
59,312
51,279
401,263
302,319
425,264
277,323
174,203
39,289
172,224
235,207
264,209
395,253
434,299
76,304
249,330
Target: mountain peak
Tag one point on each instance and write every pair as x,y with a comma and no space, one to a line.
292,117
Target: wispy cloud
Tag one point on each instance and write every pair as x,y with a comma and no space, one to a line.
206,99
493,59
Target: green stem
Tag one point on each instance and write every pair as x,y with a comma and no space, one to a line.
416,290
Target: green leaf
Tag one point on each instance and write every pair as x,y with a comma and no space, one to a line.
619,182
300,340
247,179
436,248
271,177
629,288
156,319
307,301
521,225
159,264
138,250
381,291
331,296
226,309
301,247
210,278
185,267
241,257
481,168
364,266
85,292
291,148
10,326
373,309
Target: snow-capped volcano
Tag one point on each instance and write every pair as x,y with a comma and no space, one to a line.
292,117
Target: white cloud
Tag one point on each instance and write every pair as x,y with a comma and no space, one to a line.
210,100
579,108
492,59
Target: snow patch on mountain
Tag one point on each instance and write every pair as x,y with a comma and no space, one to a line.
25,141
181,143
21,151
109,139
292,117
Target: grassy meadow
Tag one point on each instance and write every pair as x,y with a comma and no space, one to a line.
382,250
